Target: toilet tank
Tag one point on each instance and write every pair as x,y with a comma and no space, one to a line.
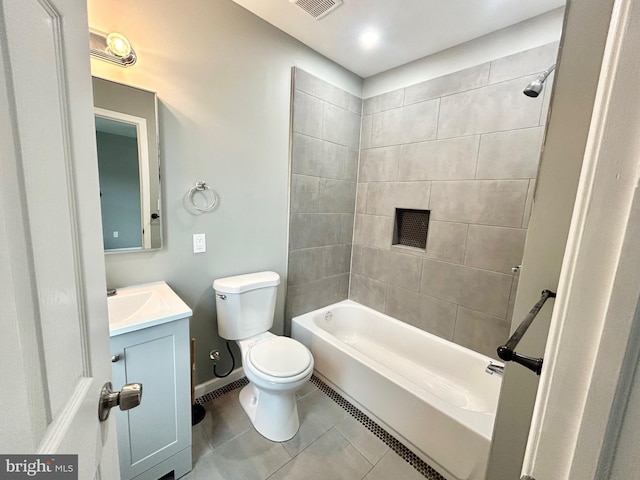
245,304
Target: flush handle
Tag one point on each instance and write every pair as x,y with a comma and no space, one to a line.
221,296
129,397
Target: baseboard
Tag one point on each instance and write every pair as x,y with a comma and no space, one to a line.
216,383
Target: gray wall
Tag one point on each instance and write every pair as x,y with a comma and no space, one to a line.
119,190
224,86
466,147
324,168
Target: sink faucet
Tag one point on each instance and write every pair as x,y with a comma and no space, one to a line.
494,368
111,292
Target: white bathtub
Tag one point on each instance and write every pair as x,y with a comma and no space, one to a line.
432,394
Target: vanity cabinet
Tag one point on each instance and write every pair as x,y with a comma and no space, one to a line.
155,437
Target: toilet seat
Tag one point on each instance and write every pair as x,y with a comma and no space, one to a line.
279,357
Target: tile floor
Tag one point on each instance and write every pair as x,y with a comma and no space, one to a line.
330,445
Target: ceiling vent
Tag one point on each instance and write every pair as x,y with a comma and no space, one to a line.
318,8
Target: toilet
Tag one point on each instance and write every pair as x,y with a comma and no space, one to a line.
275,366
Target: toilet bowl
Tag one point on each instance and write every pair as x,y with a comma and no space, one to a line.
269,400
275,366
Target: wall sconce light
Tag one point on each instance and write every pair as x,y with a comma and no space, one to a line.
111,47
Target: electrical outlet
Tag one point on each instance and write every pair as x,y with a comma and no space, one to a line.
199,243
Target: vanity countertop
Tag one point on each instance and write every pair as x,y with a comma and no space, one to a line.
143,306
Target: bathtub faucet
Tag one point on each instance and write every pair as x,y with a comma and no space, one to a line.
494,368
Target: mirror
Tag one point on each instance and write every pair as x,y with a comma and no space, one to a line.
127,141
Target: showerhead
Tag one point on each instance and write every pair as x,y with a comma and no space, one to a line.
535,87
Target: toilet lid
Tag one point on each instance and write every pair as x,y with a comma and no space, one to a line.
280,357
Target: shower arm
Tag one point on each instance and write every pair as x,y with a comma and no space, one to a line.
506,352
543,76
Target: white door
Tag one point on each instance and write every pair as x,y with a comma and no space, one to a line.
54,343
593,350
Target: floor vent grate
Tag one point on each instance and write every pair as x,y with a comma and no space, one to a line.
207,397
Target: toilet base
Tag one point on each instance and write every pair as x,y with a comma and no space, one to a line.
273,414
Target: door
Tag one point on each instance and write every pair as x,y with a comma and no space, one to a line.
585,421
54,339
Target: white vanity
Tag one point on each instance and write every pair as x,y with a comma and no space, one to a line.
150,342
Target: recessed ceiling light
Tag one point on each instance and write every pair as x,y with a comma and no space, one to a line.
369,38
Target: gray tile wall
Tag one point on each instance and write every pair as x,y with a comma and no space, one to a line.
466,146
324,169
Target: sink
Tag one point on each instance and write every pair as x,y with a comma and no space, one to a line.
142,306
124,307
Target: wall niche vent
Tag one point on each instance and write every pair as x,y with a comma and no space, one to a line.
318,8
411,228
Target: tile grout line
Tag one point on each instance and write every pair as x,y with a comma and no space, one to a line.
373,465
394,444
291,458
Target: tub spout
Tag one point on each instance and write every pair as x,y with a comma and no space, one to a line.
494,368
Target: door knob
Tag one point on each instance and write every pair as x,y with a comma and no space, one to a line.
127,398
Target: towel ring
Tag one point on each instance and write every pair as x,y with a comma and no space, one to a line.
201,187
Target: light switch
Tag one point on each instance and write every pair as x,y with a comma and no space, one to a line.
199,243
115,234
